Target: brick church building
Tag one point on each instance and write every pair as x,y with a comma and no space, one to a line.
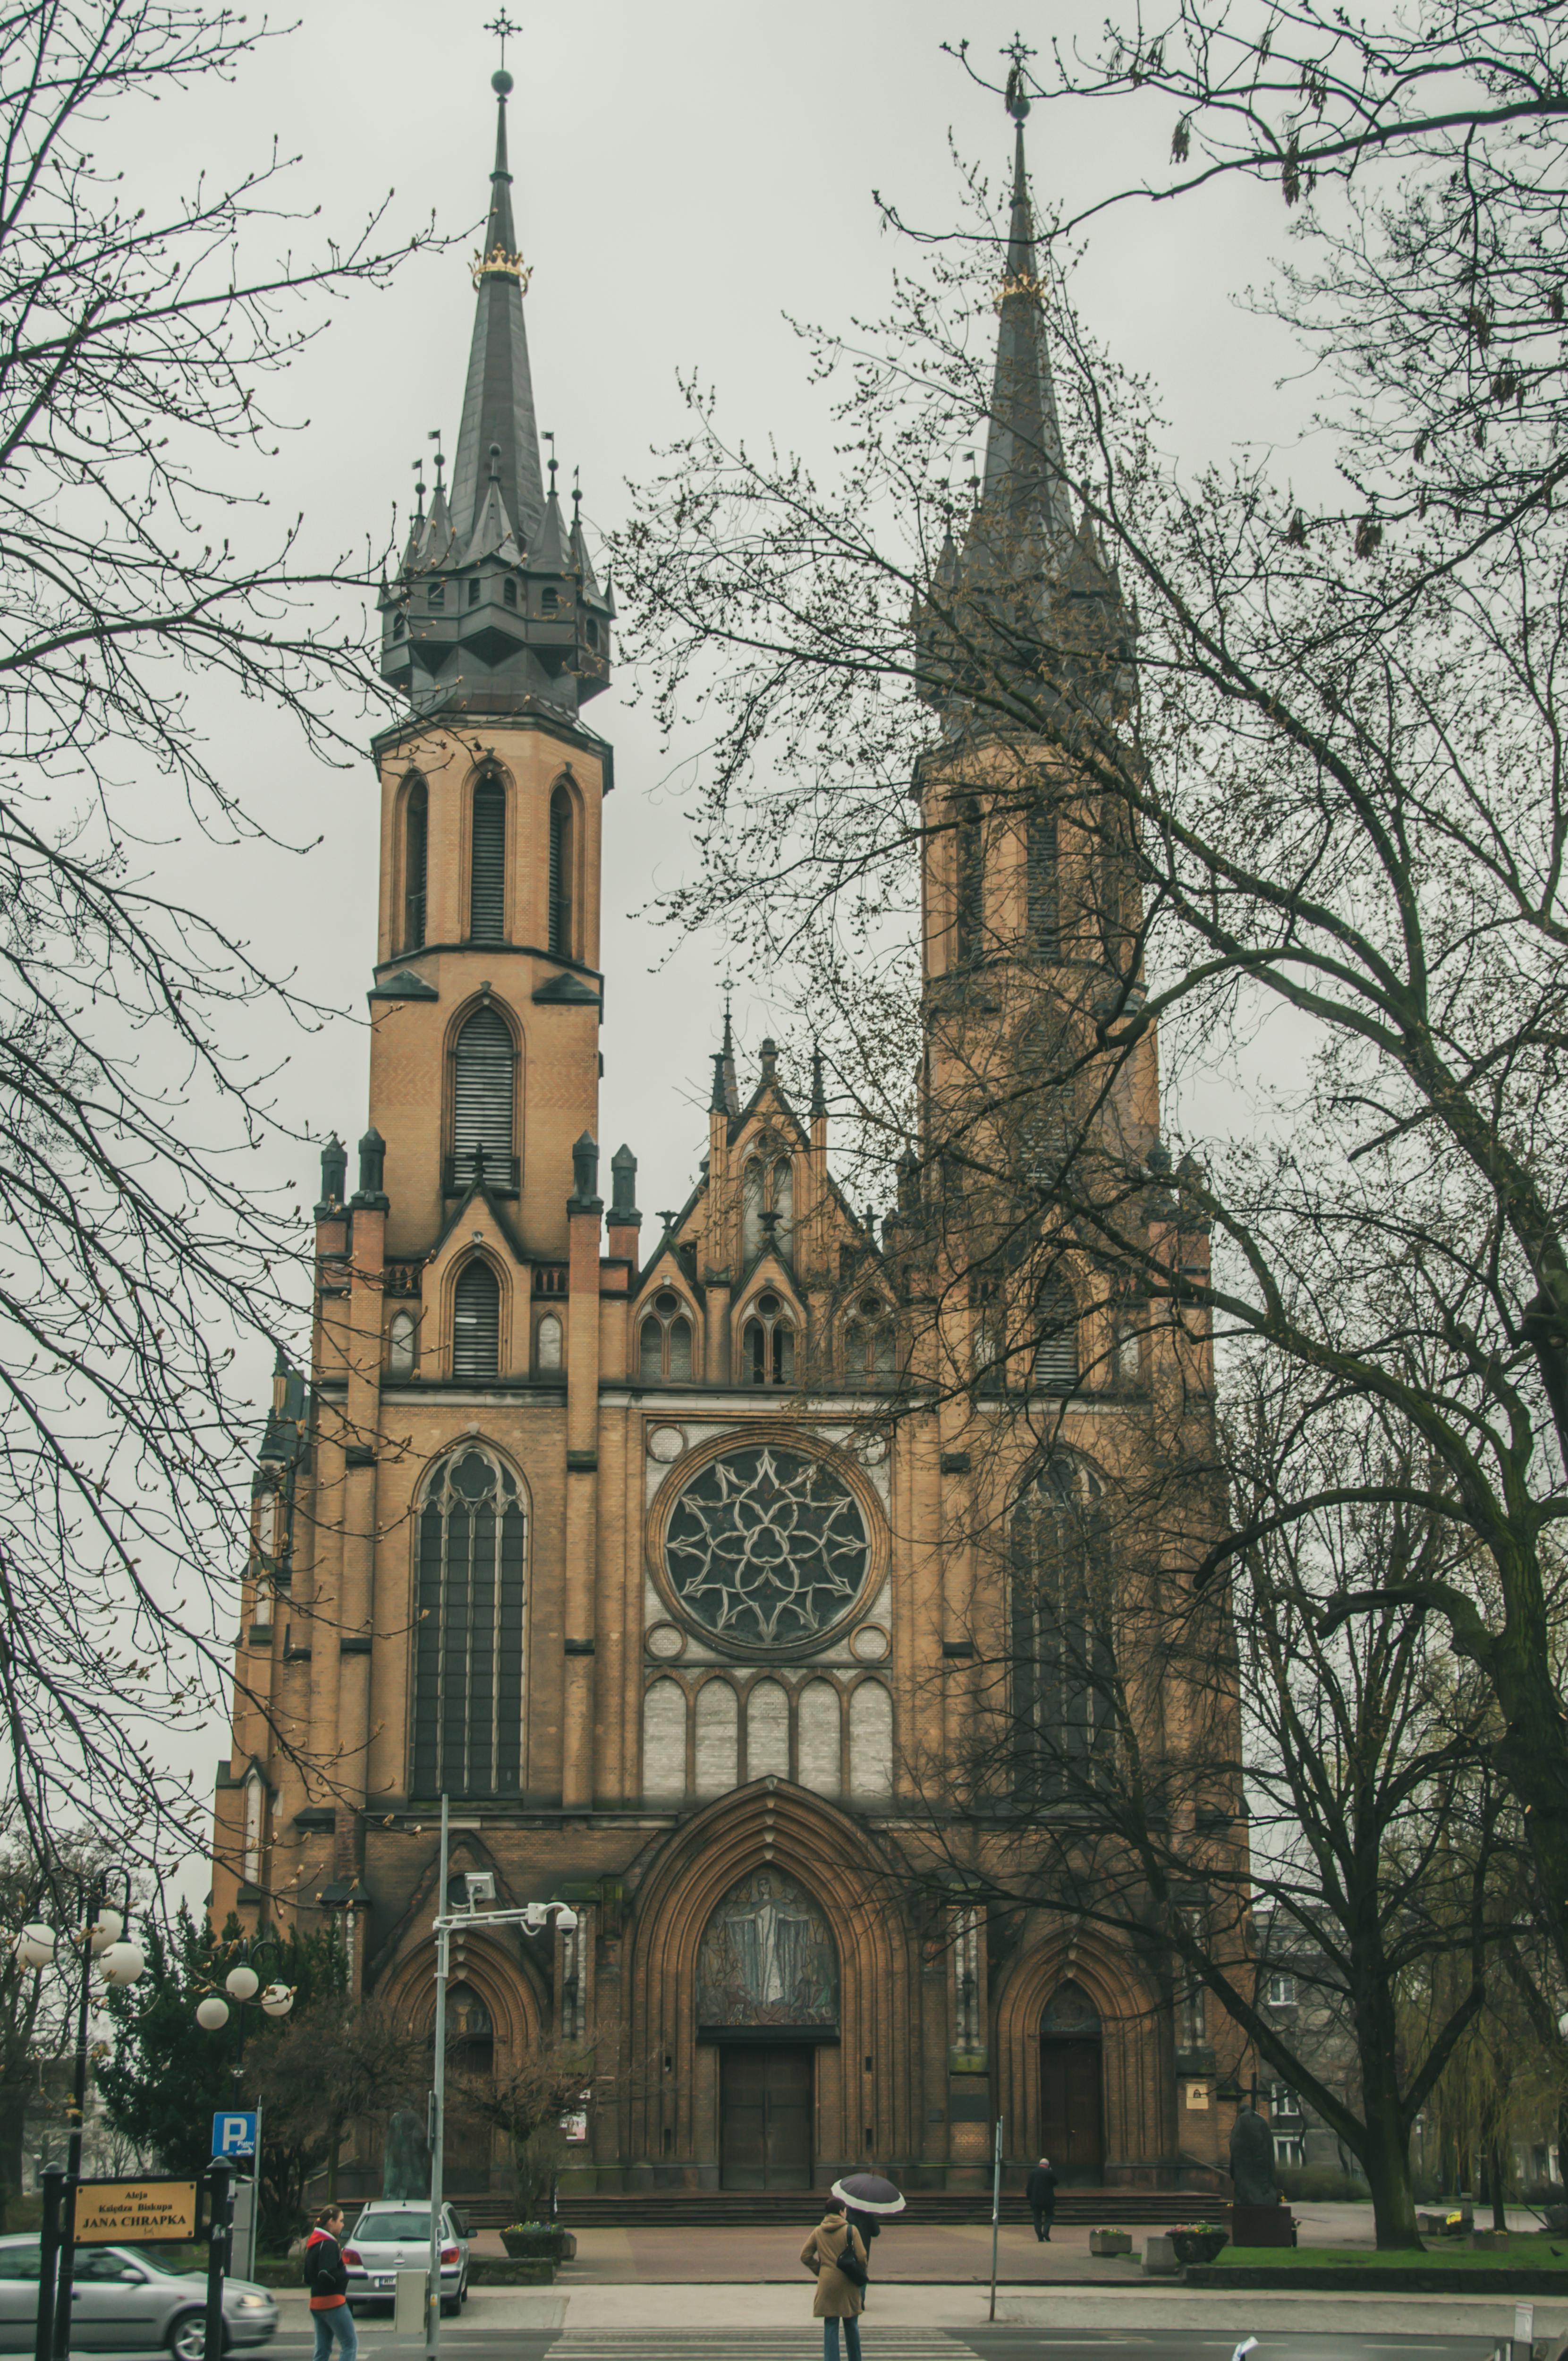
640,1545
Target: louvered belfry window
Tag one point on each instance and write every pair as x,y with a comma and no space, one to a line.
561,873
476,1323
467,1718
416,850
484,1088
970,862
487,870
1045,909
1055,1330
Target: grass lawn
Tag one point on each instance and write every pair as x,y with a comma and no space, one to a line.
1534,2250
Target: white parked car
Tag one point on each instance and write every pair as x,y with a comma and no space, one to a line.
392,2235
125,2300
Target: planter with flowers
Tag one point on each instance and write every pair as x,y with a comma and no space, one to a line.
1197,2242
540,2244
1110,2242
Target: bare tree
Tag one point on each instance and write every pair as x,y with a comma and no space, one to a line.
138,341
526,2104
1296,770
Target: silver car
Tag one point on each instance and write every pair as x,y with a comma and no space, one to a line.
391,2236
123,2300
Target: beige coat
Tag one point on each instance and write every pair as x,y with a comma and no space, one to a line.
837,2297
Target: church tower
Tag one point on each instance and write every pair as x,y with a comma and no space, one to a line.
660,1557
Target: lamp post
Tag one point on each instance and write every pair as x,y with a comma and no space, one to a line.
99,1938
242,1983
532,1918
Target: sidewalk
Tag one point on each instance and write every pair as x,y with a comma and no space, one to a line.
671,2308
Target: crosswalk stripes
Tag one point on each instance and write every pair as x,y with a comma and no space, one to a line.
762,2343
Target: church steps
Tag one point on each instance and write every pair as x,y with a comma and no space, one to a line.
737,2209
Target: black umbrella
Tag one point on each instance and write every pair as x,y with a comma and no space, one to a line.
868,2193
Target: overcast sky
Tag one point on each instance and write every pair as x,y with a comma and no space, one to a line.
685,173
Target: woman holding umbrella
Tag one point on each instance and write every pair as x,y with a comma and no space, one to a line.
867,2199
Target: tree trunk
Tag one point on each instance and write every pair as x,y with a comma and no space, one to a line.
1387,2152
1497,2161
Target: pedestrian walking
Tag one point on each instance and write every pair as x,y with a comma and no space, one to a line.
326,2276
866,2228
838,2291
1040,2190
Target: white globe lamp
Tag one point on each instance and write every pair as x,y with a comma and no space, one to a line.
212,2013
242,1983
276,2001
107,1928
121,1963
34,1947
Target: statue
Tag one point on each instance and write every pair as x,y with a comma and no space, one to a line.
405,2166
1252,2160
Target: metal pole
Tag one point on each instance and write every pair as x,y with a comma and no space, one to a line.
92,1905
438,2105
48,2259
996,2210
222,2176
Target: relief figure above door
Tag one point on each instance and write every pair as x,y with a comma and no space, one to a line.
766,1959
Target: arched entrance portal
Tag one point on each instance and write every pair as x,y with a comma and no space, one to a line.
767,1995
470,2061
1071,2080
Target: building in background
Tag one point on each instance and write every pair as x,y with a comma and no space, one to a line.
612,1534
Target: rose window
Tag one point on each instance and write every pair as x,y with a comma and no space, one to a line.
766,1548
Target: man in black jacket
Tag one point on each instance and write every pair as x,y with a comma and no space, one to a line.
1040,2189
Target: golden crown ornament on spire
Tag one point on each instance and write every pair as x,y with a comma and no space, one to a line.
499,264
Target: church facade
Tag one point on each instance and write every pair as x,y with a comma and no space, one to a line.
654,1554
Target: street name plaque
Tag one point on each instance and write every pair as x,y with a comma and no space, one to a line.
142,2211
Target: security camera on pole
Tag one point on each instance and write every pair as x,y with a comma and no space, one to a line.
532,1918
98,1937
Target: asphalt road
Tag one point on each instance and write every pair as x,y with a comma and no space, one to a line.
463,2342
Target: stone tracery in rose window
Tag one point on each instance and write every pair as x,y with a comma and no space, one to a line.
766,1547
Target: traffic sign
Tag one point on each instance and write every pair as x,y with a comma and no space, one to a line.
234,2136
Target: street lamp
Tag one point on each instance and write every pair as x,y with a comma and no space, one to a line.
532,1918
242,1983
99,1938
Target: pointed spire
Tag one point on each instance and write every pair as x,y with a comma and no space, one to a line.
818,1090
497,402
731,1080
582,563
1024,481
548,554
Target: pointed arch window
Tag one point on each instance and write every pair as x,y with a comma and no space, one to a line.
561,874
416,863
1061,1639
665,1342
869,1348
1042,891
969,864
477,1321
1056,1339
488,864
767,1201
484,1095
467,1716
402,1347
767,1343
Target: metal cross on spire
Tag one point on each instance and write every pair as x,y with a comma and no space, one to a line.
501,27
1017,101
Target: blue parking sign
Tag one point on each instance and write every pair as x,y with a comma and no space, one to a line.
234,2136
